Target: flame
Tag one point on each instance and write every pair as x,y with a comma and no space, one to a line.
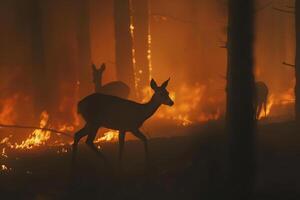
7,115
108,136
189,105
283,99
38,137
270,103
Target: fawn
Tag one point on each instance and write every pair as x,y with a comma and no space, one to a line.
114,88
261,99
101,110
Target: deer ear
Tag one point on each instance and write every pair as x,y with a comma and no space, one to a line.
94,66
165,84
153,84
102,68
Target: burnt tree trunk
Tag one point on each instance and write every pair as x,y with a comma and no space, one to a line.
84,47
123,43
141,31
297,62
241,115
39,69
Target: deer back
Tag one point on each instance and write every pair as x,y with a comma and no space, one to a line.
115,88
112,112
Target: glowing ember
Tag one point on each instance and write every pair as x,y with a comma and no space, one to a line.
4,168
3,153
62,150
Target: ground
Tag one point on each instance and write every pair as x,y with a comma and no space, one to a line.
182,167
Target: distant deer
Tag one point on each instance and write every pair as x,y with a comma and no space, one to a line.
115,88
100,110
261,99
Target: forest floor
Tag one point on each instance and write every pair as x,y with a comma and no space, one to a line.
181,167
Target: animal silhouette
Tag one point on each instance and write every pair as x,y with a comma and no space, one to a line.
114,88
101,110
261,98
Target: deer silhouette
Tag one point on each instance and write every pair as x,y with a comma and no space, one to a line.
114,88
101,110
261,98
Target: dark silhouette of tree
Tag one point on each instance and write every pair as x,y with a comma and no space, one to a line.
240,95
297,62
84,47
123,43
38,65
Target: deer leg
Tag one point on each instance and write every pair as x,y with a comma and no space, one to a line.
141,136
90,141
78,135
265,108
259,110
121,145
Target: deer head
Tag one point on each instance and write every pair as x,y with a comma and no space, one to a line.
97,73
161,95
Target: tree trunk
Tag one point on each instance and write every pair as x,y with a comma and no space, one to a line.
241,115
39,71
123,44
297,62
84,47
141,31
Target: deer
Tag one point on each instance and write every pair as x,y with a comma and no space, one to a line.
112,112
261,98
114,88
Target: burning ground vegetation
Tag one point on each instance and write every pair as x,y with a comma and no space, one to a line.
193,107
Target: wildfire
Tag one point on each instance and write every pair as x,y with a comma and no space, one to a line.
189,105
37,137
269,105
280,100
7,109
108,136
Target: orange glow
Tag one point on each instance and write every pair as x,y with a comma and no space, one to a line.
38,137
188,105
108,136
270,103
7,105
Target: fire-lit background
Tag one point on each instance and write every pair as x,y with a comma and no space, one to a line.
47,48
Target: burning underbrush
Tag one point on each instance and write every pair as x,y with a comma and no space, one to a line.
192,106
279,106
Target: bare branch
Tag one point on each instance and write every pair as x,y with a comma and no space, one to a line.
288,64
284,11
34,127
166,17
264,6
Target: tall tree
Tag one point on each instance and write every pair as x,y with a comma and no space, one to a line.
123,43
141,31
297,61
240,95
84,47
41,97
